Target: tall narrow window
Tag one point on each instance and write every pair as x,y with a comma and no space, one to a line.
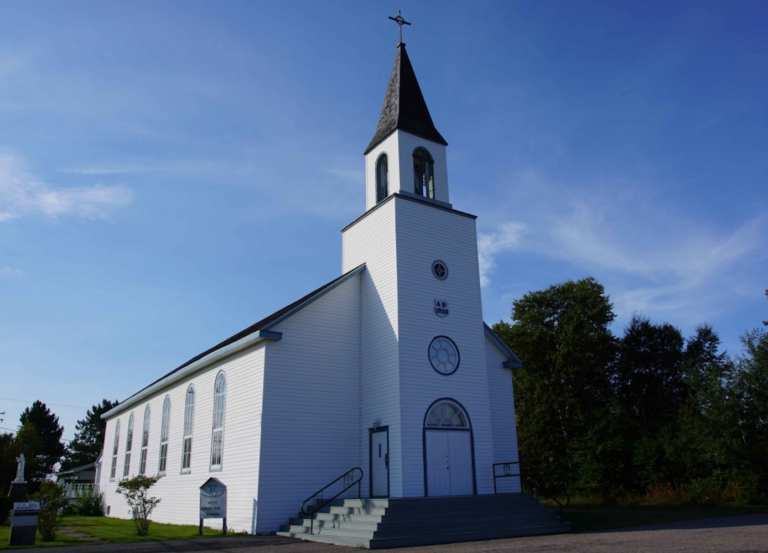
189,417
166,421
219,403
144,442
423,173
382,178
115,447
128,445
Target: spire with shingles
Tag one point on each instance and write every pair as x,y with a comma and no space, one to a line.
404,106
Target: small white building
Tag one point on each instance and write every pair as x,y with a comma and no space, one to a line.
389,367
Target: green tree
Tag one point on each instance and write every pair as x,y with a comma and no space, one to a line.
49,446
89,437
751,385
649,389
136,492
563,392
7,463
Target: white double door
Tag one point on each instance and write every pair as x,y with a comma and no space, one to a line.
449,463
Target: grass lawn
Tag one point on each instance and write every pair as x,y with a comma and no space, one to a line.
114,530
591,518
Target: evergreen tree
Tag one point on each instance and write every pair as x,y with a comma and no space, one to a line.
48,431
89,437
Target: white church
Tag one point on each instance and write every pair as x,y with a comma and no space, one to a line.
389,368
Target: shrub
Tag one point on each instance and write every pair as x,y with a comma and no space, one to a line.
51,498
87,503
5,508
136,491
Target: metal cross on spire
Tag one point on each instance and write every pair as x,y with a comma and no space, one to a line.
400,22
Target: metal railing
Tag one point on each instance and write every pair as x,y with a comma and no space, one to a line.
506,472
73,490
315,502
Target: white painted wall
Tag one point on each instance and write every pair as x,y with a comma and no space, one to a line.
426,233
242,438
311,419
371,240
502,404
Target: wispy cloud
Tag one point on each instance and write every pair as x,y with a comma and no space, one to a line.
21,193
506,238
654,257
356,176
10,272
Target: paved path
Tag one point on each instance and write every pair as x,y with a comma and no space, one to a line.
743,534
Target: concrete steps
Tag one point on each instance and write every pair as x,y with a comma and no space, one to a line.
384,523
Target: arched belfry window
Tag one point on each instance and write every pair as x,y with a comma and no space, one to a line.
447,415
423,173
382,178
217,437
189,420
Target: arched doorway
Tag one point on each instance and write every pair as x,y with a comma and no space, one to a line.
449,461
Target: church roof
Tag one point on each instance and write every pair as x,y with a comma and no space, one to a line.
404,106
259,329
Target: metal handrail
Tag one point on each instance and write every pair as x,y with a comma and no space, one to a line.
318,503
507,472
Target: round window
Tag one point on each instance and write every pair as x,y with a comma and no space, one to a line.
444,355
440,270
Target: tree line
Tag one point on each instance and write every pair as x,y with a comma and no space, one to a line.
650,415
39,439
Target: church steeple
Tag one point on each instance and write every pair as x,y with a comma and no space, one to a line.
404,106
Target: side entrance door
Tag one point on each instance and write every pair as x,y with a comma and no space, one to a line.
449,463
380,462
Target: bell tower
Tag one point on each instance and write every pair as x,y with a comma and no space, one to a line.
407,153
422,344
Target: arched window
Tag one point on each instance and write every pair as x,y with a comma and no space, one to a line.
115,447
165,423
447,415
382,178
128,446
189,418
219,404
423,173
144,442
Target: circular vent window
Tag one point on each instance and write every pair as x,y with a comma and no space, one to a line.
440,270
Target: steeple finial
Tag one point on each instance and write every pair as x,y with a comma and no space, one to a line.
400,22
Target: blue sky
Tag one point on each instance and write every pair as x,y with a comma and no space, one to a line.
171,172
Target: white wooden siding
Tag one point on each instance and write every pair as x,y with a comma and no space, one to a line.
372,241
311,419
502,404
242,438
424,234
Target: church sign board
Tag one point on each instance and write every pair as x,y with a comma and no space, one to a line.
24,523
213,501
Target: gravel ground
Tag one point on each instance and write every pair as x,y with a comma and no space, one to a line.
742,534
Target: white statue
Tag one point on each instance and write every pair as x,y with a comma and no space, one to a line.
19,470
